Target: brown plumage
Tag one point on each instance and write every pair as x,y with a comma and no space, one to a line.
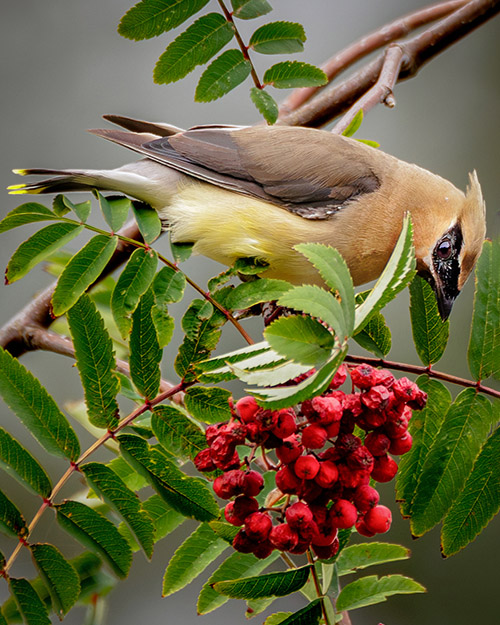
258,191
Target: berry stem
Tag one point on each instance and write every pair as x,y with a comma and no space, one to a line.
317,586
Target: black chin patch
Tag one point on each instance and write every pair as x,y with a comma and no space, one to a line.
449,270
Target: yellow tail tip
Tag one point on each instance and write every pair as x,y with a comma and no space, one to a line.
20,172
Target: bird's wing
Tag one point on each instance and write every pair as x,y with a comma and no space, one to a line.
309,172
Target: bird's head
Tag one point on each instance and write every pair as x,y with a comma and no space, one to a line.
453,243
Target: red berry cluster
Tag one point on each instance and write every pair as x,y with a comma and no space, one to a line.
324,469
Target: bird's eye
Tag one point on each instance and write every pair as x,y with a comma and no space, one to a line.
444,249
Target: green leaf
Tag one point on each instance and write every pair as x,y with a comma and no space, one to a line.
265,103
133,282
190,496
249,9
81,210
224,530
222,75
301,339
29,400
148,221
150,18
317,302
478,503
115,209
354,124
38,247
424,427
181,251
164,326
96,362
195,46
272,584
82,271
31,607
310,615
334,271
375,336
12,522
293,74
279,617
19,463
430,333
272,376
106,483
196,349
194,555
58,575
165,518
132,479
145,352
199,311
278,38
484,346
168,286
248,294
362,555
450,459
26,214
398,272
237,565
95,532
208,405
370,590
177,433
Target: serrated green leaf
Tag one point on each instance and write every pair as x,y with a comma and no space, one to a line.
199,348
168,286
59,576
310,615
96,362
19,463
38,247
28,213
372,589
12,522
95,532
237,565
59,206
293,74
164,326
450,459
195,46
224,530
237,356
208,405
248,294
483,354
31,607
147,220
278,618
249,9
362,555
278,38
29,400
398,272
317,302
181,251
271,376
106,483
424,428
132,479
266,104
176,432
115,209
301,339
145,352
133,282
272,584
190,496
478,503
199,311
430,333
150,18
165,518
354,124
81,210
192,558
81,271
223,74
334,271
375,336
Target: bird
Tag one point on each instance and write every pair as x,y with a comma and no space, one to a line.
257,191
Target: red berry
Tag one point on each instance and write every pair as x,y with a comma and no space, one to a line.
333,429
283,537
352,404
310,491
243,506
395,428
351,478
378,519
363,376
325,535
329,409
360,458
314,437
376,398
327,475
232,518
405,390
343,514
377,443
285,424
228,485
298,515
325,553
383,377
255,433
365,497
222,449
203,461
252,483
339,378
362,529
247,407
267,419
290,450
384,469
258,526
306,467
346,444
263,549
301,547
372,419
287,481
242,543
401,445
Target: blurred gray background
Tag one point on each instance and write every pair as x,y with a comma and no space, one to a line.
63,65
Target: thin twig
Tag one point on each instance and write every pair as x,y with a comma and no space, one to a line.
317,586
374,41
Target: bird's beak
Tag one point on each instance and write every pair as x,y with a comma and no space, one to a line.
444,301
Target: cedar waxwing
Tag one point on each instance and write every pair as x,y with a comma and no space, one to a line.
255,192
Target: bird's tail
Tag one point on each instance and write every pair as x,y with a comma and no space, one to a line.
61,181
